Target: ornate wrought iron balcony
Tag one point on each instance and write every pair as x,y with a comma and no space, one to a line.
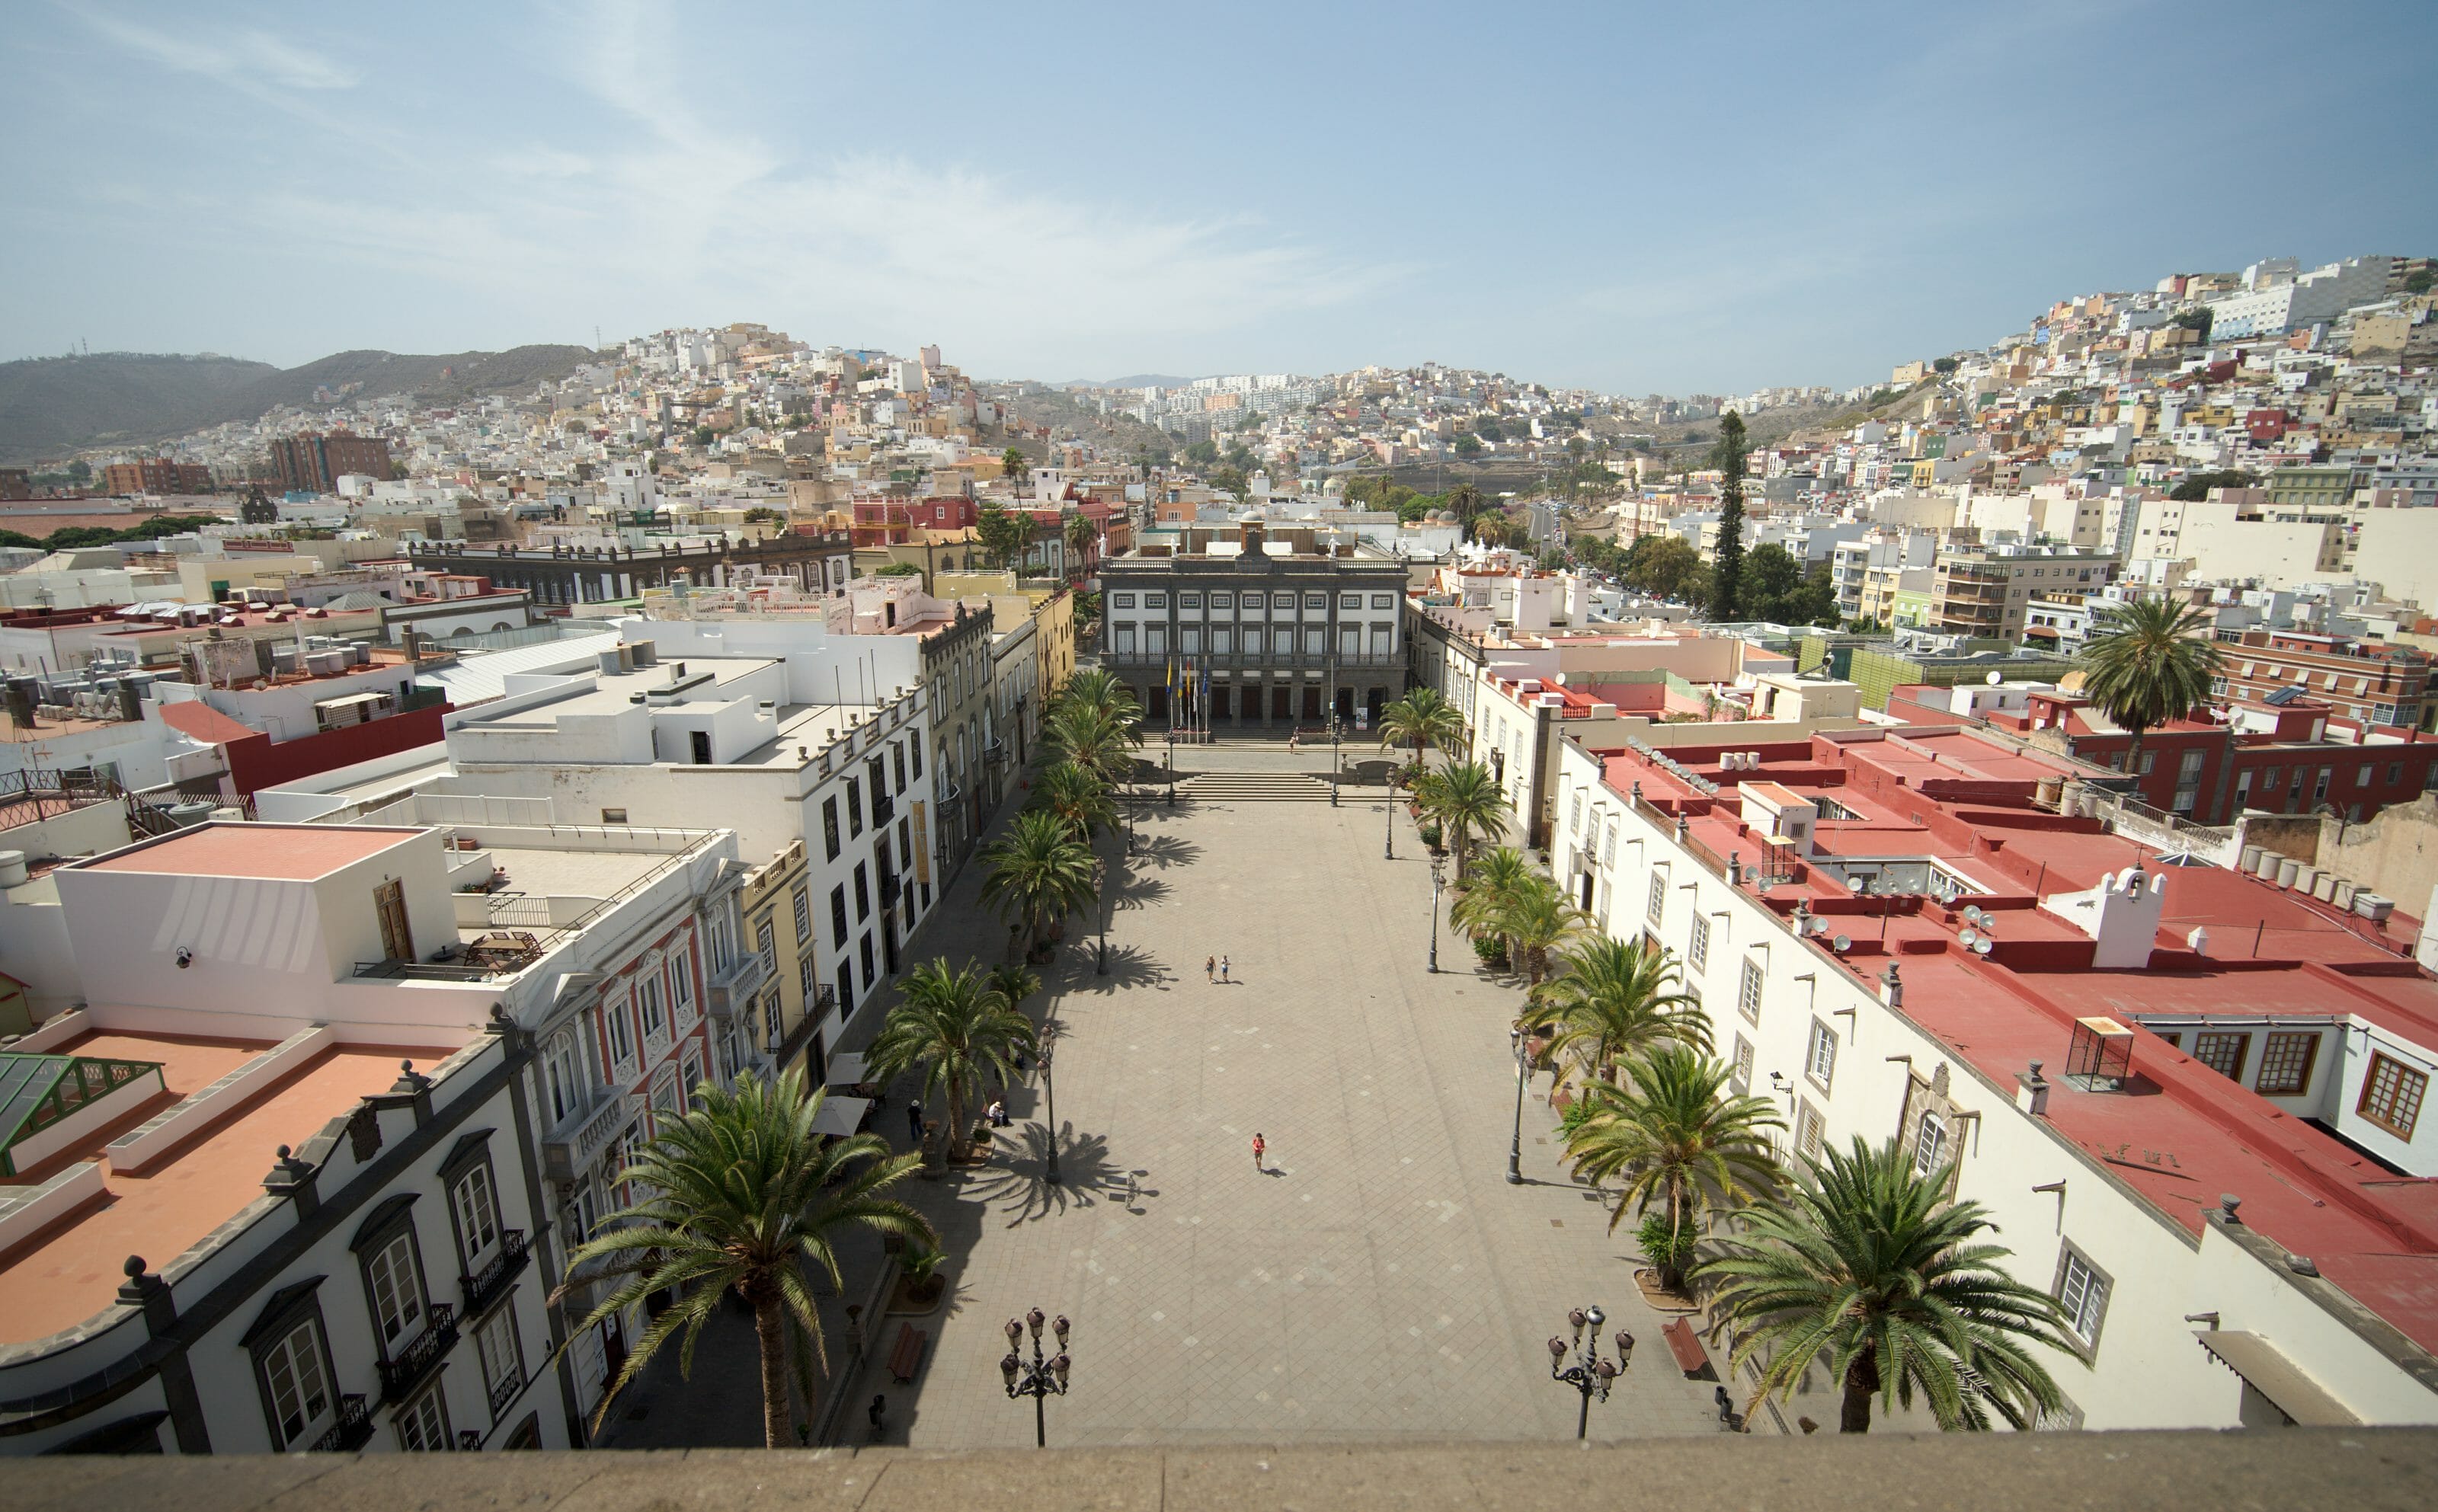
354,1426
413,1365
484,1286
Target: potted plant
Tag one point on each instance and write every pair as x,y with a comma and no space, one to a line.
924,1282
1431,835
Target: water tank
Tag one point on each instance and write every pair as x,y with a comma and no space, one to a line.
646,653
191,812
2266,866
2288,870
2250,861
360,654
2341,894
286,659
2373,907
13,868
2323,887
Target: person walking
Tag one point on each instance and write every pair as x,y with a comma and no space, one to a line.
1259,1150
1210,968
1223,968
914,1122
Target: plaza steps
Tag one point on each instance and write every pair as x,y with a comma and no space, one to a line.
1254,787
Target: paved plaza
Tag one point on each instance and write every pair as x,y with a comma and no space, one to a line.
1380,1280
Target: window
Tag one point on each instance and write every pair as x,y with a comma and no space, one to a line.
1656,906
1350,601
1930,1143
2286,1065
862,894
1748,991
1383,601
1223,601
647,1007
853,809
503,1355
396,1288
1252,601
829,828
1574,816
2221,1051
1155,601
472,1203
1314,601
914,750
1125,601
297,1386
1189,601
837,913
1743,1065
804,979
622,1041
1811,1130
1697,954
2082,1293
1820,1056
2391,1095
804,906
423,1424
613,816
567,1079
681,988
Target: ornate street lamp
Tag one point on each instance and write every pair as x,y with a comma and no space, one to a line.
1589,1375
1437,866
1050,1100
1039,1378
1523,1071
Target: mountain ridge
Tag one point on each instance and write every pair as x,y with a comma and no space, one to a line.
53,406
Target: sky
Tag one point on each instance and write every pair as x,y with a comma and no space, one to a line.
1677,199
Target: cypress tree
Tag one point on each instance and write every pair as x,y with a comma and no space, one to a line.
1727,567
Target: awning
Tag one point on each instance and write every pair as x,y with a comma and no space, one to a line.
2270,1373
846,1068
843,1116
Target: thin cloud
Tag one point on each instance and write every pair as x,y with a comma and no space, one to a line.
248,59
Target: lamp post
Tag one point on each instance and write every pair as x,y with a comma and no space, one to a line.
1038,1378
1108,905
1515,1144
1336,765
1050,1100
1589,1375
1388,827
1437,866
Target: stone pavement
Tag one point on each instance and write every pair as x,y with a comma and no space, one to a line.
1379,1280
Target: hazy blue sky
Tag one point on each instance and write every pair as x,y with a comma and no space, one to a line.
1681,198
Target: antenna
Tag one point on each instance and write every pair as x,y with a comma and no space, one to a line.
1841,944
1972,914
1984,945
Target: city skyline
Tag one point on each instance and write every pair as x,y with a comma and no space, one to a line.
272,186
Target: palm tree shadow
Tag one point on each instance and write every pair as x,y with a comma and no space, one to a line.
1140,893
1165,850
1086,1178
1129,966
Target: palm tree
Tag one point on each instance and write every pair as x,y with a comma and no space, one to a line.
1103,690
1616,997
1868,1263
1077,795
1423,718
1496,879
1466,800
957,1027
1093,738
1081,534
1679,1136
1036,874
1537,919
739,1193
1014,984
2147,664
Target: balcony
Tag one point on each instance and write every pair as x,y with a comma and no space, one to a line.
353,1428
884,808
569,1150
892,884
504,1391
734,986
413,1365
485,1286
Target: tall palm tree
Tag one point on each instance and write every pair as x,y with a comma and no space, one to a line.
2149,663
1093,738
1867,1267
1616,997
1014,984
1494,879
1079,796
1467,801
1679,1136
740,1193
1036,874
958,1028
1536,918
1425,719
1098,688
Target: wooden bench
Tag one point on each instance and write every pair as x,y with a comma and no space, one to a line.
1685,1343
908,1354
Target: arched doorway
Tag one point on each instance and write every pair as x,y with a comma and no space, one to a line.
1158,705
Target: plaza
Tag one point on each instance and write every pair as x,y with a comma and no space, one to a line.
1380,1280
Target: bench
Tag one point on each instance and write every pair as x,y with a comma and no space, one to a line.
1685,1343
908,1353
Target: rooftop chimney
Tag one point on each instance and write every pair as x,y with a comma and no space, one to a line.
2032,1092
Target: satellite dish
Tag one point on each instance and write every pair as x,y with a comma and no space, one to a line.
1819,927
1969,938
1981,948
1972,914
1841,944
1992,679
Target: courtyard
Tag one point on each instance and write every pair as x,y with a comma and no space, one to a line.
1380,1280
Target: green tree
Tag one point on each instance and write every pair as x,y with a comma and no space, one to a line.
1035,875
1077,795
1678,1134
2197,487
1868,1268
1616,996
766,517
1945,364
1014,468
2149,663
1485,892
958,1028
1099,688
704,436
739,1194
1006,535
1203,453
1727,564
1095,737
899,569
1467,801
1468,445
1769,579
1083,535
1488,431
1536,919
1230,478
1668,565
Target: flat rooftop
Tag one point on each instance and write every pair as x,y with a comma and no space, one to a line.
615,691
72,1270
282,852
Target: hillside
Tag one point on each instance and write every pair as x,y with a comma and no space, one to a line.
52,406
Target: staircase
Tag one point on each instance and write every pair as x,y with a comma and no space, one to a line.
1254,787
